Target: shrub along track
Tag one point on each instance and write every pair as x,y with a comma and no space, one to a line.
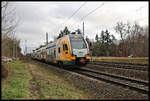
101,89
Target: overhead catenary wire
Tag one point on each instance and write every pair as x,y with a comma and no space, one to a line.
72,15
92,11
135,10
141,7
140,10
119,17
75,12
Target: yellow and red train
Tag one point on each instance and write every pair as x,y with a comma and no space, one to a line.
71,49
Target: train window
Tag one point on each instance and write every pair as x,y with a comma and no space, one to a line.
59,50
78,43
65,47
54,52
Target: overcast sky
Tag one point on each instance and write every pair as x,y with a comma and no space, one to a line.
37,18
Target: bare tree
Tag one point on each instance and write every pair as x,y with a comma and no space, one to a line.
128,41
8,17
9,23
120,29
135,31
134,37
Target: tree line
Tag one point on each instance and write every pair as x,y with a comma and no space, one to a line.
105,44
66,32
9,43
134,39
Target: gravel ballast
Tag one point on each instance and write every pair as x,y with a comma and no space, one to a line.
99,89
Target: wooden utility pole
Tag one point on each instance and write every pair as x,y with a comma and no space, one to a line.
13,49
13,44
83,29
46,38
16,50
25,47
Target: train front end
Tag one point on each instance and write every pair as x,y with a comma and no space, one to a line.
79,50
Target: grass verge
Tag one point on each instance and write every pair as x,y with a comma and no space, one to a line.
32,81
15,86
52,86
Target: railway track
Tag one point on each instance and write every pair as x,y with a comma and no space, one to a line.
122,63
141,67
133,84
138,85
130,73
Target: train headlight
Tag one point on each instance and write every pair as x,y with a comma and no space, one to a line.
87,57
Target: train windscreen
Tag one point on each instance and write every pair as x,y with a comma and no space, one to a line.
78,43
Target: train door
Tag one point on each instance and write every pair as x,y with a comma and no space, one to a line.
65,51
54,55
54,52
58,52
47,53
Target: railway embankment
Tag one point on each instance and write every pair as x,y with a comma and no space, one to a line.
99,88
28,80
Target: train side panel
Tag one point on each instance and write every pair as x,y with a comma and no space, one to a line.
50,53
63,52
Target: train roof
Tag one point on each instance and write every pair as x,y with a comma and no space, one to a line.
75,35
71,35
51,44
